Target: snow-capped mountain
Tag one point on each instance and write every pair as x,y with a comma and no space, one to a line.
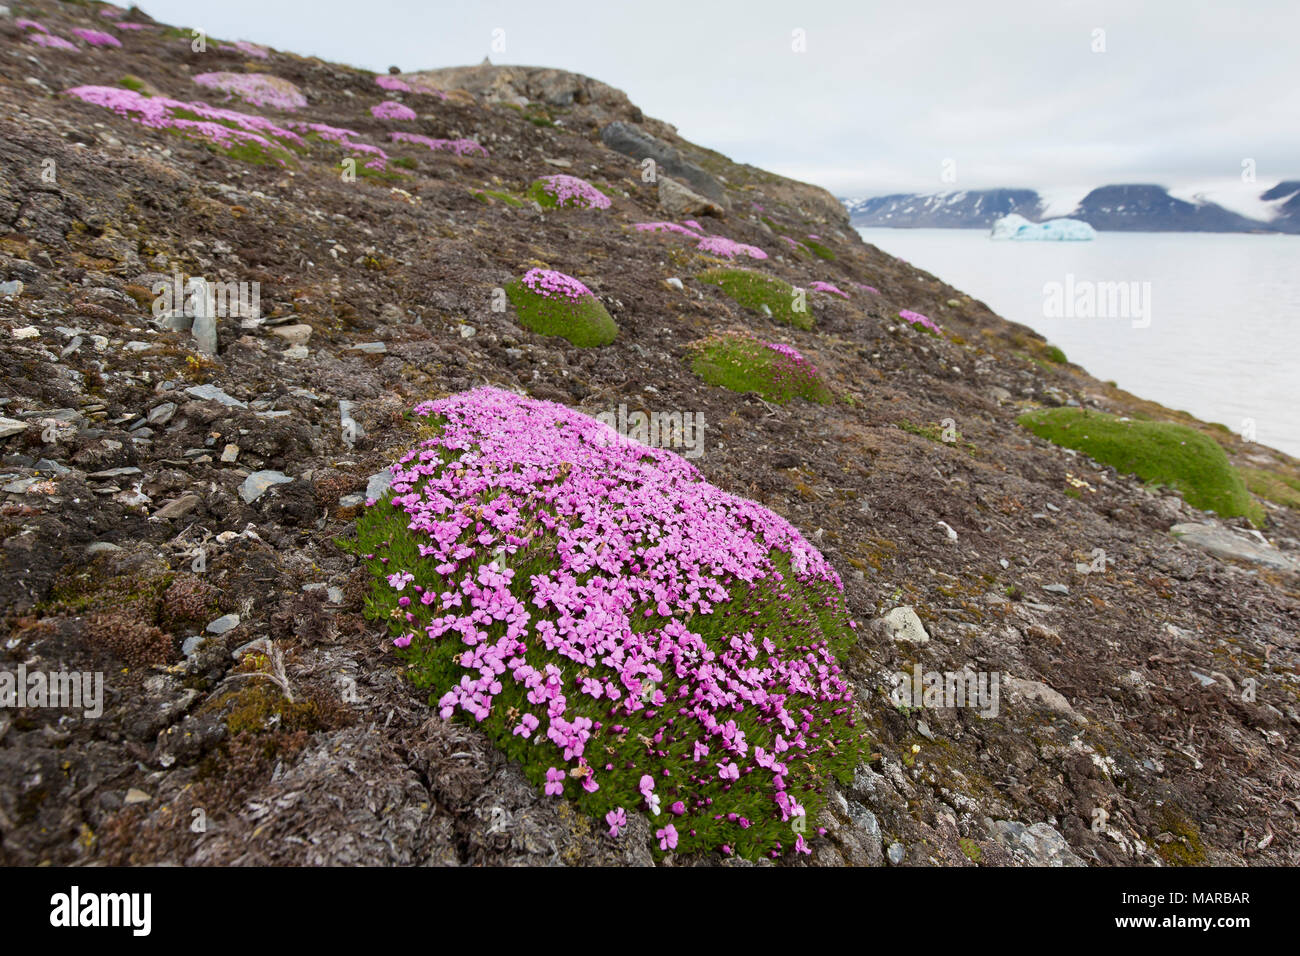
1216,207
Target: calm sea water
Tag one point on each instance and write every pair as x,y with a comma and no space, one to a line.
1212,325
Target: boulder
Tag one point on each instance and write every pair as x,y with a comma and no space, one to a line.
678,202
1223,543
639,145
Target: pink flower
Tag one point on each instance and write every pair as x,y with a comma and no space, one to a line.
403,641
572,191
729,248
256,89
554,782
461,147
392,110
667,837
729,771
400,579
392,84
617,820
827,287
916,318
96,37
527,724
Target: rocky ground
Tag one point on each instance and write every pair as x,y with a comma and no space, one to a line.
169,515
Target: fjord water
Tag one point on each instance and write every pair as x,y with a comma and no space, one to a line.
1224,336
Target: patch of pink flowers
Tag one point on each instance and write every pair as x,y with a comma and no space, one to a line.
392,110
794,366
827,287
729,248
550,284
52,42
249,49
916,318
642,548
223,127
461,147
865,288
407,84
346,139
256,89
572,191
30,25
665,227
96,37
132,26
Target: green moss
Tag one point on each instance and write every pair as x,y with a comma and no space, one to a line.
132,82
1277,488
1186,849
971,849
404,162
1157,452
743,364
585,323
754,290
817,249
487,195
1054,354
435,665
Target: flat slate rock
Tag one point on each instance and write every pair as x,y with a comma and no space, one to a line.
1223,543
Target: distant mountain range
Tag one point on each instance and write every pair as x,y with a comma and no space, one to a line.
1133,207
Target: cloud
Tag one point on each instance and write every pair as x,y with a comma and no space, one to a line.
1013,92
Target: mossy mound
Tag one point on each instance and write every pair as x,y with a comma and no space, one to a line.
1157,452
1275,487
762,293
638,640
562,191
744,363
551,303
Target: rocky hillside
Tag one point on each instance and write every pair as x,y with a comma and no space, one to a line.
178,491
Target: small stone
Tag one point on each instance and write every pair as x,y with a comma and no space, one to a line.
468,331
111,473
676,283
101,547
895,853
162,414
1056,589
13,287
136,796
378,484
178,508
9,426
903,626
227,622
190,646
229,453
369,348
27,332
214,394
294,334
255,485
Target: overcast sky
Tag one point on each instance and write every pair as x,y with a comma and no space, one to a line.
1010,92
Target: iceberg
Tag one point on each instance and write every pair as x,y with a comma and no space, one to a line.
1053,230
